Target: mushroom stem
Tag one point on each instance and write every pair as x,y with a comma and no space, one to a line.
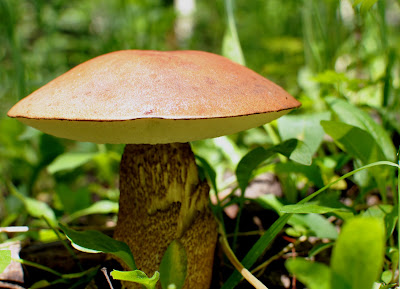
161,200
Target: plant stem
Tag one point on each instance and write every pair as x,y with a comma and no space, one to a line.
235,262
38,266
104,270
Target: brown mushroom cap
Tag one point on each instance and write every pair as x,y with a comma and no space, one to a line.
135,96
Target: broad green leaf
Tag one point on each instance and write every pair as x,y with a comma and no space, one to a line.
137,276
311,172
100,207
230,44
91,241
354,140
354,116
173,267
5,259
320,226
361,145
358,254
47,236
312,274
257,156
308,208
35,208
305,127
386,213
301,154
69,161
387,276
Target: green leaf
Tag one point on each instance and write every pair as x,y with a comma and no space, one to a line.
100,207
320,226
354,116
311,172
173,267
308,208
91,241
391,221
40,284
35,208
137,276
257,156
69,161
354,140
386,213
358,254
305,127
211,175
312,274
5,259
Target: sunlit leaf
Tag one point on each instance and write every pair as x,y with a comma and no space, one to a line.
308,208
173,267
354,140
320,226
257,156
312,274
100,207
358,254
69,161
354,116
305,127
5,259
137,276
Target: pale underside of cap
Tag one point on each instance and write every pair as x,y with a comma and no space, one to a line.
135,96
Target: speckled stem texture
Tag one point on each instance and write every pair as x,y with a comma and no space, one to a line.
162,200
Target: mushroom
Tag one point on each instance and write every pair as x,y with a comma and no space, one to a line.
155,103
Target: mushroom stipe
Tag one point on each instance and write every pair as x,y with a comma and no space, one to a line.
170,203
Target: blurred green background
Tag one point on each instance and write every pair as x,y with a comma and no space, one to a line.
313,48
